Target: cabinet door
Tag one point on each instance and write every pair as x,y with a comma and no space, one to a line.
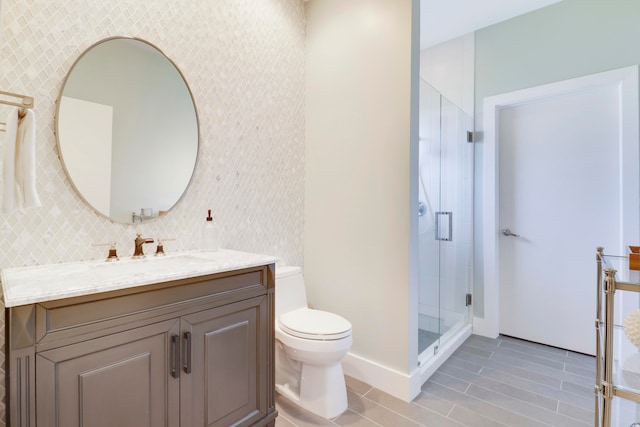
119,380
223,382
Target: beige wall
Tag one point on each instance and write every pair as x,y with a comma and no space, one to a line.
244,61
357,180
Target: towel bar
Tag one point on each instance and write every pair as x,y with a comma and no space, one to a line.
27,101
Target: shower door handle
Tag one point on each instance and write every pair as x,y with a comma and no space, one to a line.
444,221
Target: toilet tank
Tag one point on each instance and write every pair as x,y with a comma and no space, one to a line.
290,290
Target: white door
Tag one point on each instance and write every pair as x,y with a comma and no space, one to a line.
559,192
560,170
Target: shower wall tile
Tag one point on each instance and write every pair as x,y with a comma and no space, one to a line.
244,62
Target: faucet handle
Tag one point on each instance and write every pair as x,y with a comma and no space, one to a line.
113,255
160,247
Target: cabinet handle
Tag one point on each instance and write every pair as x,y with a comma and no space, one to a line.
175,356
187,357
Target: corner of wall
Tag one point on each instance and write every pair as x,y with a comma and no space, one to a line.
357,177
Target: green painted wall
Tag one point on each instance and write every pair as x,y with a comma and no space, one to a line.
567,39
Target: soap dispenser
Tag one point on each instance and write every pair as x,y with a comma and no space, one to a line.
210,241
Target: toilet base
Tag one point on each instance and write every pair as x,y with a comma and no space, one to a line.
322,390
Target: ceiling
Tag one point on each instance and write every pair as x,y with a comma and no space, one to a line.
442,20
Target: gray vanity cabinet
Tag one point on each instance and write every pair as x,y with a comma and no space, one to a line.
220,376
118,380
191,352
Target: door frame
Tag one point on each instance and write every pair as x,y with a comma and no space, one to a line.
627,81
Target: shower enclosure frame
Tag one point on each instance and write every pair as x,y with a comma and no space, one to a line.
445,228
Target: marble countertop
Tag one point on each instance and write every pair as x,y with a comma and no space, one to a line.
29,285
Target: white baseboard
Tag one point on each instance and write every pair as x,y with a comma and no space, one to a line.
396,383
486,327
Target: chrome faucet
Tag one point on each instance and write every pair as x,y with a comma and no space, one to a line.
138,252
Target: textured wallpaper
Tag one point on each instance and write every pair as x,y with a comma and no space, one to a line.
244,62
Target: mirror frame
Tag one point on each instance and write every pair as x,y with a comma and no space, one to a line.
57,117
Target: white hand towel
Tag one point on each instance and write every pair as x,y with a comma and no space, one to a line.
19,168
8,161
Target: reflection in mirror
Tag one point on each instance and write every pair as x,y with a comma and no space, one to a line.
127,130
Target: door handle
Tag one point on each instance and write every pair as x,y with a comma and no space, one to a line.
187,356
448,224
507,232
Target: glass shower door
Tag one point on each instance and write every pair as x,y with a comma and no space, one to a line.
444,220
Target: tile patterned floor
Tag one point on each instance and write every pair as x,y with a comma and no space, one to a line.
485,383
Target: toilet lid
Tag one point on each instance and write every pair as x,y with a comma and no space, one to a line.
315,324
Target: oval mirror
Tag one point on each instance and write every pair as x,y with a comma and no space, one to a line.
127,130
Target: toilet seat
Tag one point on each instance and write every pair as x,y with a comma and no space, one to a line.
313,324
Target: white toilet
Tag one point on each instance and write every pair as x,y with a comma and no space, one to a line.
310,345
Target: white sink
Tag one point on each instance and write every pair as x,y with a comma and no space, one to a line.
150,264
